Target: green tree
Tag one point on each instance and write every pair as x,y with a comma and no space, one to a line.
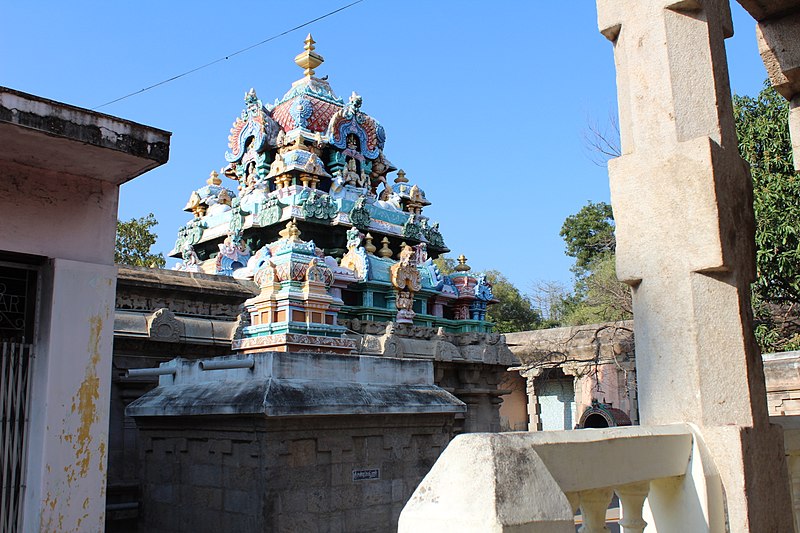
134,240
764,142
515,311
597,295
589,233
446,265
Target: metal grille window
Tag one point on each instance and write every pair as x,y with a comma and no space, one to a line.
17,302
18,293
15,381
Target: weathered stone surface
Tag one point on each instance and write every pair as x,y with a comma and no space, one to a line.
778,33
418,342
682,201
60,171
766,9
515,482
286,474
778,40
183,293
84,143
287,384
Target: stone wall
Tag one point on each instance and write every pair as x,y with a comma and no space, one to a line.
575,350
598,359
160,314
285,475
782,375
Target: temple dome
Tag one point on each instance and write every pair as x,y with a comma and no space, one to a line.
309,104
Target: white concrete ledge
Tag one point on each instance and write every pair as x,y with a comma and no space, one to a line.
514,482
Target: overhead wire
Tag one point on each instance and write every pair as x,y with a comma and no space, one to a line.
237,52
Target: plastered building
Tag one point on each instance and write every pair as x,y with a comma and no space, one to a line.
60,171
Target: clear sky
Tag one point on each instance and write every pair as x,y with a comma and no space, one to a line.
484,103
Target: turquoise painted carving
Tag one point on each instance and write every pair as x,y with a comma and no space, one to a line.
320,206
254,123
301,111
483,290
433,235
237,218
412,229
270,212
359,215
190,234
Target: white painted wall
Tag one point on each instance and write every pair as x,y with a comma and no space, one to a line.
66,475
57,215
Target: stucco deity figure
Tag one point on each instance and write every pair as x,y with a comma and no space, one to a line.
352,142
337,187
353,238
404,301
313,273
390,200
406,256
351,176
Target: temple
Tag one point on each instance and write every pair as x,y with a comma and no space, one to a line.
311,216
356,360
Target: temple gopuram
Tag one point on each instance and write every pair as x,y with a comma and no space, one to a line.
311,213
312,360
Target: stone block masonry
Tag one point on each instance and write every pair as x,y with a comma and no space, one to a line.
315,474
288,441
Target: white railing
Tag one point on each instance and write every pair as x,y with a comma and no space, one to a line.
15,373
514,482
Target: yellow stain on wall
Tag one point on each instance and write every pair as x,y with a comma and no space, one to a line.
84,404
88,394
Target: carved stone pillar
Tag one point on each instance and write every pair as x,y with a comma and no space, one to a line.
682,200
530,375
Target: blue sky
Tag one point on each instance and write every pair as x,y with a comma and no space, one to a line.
484,103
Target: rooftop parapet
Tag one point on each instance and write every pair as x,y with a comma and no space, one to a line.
290,384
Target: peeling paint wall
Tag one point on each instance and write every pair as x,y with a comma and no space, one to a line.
37,202
69,416
60,171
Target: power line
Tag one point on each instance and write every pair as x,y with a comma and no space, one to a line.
237,52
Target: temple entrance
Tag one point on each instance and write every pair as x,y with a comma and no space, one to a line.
602,415
595,421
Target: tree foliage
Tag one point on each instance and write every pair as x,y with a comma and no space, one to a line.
597,295
763,131
589,233
515,312
134,240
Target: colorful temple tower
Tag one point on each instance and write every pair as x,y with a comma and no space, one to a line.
315,221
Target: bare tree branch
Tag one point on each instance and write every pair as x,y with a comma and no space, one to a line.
602,142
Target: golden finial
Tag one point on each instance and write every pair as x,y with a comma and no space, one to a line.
462,265
290,232
385,251
401,177
213,178
369,247
308,59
